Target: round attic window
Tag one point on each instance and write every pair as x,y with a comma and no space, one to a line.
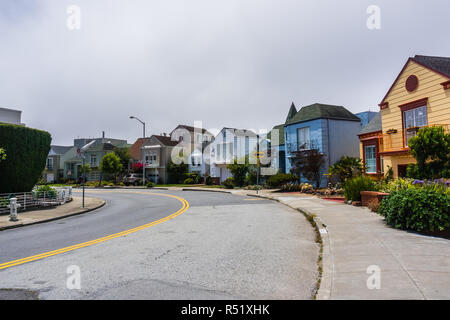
412,83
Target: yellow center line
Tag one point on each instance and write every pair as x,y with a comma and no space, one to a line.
103,239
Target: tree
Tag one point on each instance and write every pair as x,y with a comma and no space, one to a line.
177,172
346,168
239,171
124,155
110,164
431,149
84,169
308,163
2,154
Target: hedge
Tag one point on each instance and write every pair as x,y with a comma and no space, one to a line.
26,154
418,209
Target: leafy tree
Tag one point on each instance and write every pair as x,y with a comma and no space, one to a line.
124,155
2,154
346,168
177,171
308,163
239,172
431,149
110,164
84,169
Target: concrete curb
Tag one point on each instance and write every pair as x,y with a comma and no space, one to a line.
53,219
325,264
212,190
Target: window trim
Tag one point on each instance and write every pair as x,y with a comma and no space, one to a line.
372,142
307,143
409,106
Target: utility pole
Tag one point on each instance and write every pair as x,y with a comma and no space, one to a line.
143,156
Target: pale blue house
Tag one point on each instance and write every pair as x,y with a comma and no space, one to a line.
333,130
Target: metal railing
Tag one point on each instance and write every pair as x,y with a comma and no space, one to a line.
397,140
36,199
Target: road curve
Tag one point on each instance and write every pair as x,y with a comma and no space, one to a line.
223,247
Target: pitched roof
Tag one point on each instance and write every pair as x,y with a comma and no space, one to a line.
373,126
59,150
166,140
291,113
438,64
280,129
322,111
190,128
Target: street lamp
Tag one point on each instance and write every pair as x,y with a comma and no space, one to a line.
143,157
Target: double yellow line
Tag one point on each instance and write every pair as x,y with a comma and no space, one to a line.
103,239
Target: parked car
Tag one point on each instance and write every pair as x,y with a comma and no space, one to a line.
132,179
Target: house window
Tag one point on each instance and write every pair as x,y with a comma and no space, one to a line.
199,137
93,161
370,157
49,163
414,119
303,138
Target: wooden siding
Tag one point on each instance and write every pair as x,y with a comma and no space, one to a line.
438,105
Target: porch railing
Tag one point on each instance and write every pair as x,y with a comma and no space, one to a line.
397,140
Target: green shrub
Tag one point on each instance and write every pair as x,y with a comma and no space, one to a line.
189,181
419,209
229,183
397,184
150,184
45,191
280,179
208,181
291,187
346,168
27,151
239,172
354,186
194,177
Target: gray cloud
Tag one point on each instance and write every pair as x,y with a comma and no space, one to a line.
227,63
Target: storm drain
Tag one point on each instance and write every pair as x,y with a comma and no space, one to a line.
18,294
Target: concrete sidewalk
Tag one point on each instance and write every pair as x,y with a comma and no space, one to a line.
71,208
412,266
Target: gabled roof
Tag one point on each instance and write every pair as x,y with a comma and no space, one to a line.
291,113
60,150
373,126
240,132
322,111
166,140
280,129
440,65
190,128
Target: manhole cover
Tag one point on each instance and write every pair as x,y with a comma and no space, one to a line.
18,294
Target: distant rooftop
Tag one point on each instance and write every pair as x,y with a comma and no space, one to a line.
322,111
373,126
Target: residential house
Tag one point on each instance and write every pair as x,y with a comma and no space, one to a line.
11,116
93,156
370,140
194,140
277,142
419,97
157,153
330,129
54,168
231,144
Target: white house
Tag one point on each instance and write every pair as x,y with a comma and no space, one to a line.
229,145
11,116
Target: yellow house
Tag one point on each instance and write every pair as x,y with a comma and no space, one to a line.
419,97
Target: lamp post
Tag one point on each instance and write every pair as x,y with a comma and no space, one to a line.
143,157
82,154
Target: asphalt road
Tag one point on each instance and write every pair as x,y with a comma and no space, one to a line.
223,247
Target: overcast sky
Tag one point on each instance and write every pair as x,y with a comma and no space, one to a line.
235,63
